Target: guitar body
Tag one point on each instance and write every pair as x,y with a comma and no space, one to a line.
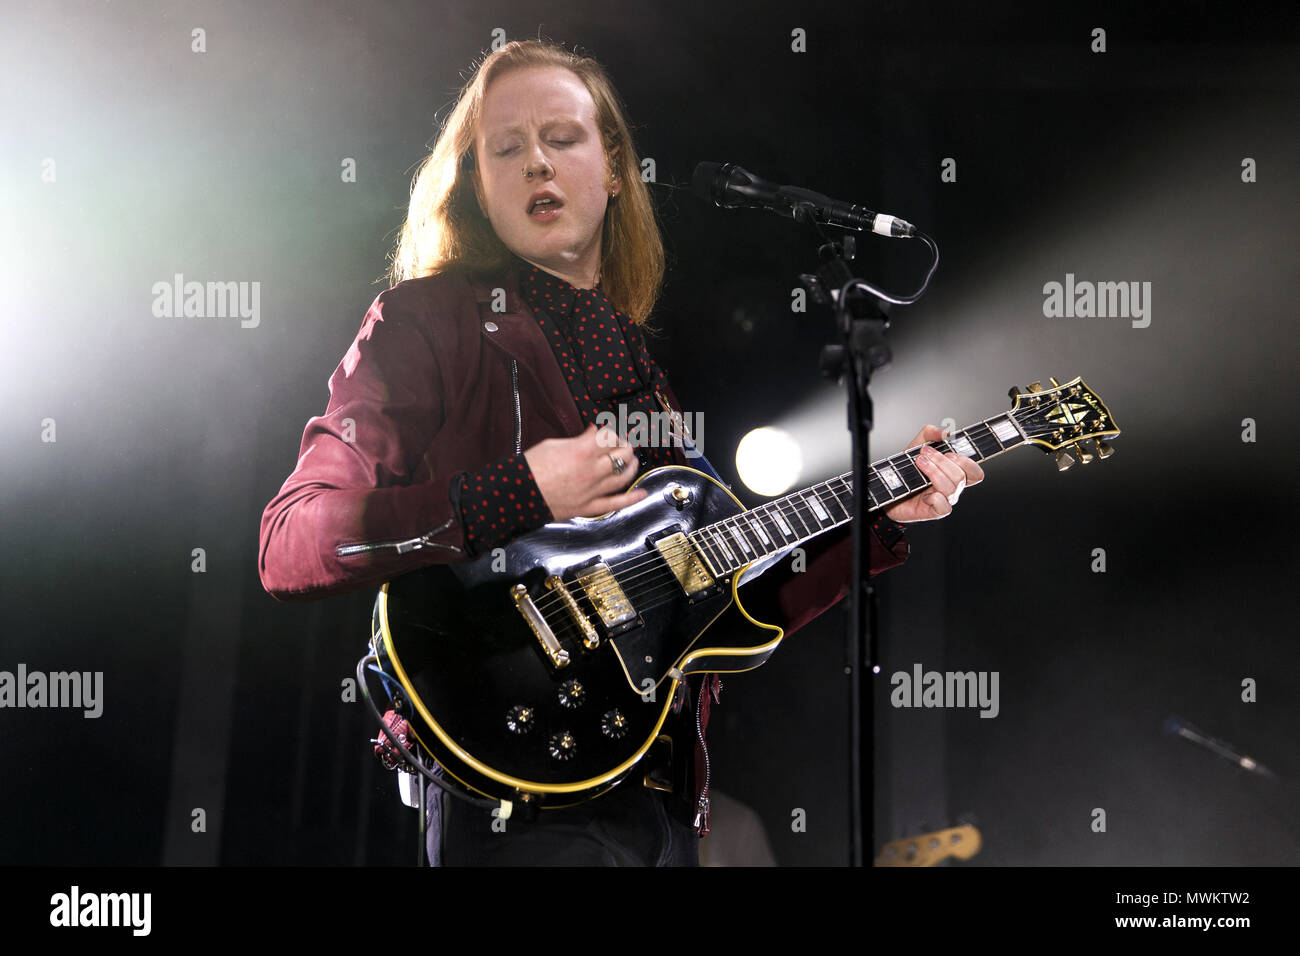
544,671
488,700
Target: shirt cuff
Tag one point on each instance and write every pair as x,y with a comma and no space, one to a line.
887,530
498,502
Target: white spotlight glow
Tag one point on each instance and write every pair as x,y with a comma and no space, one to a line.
769,461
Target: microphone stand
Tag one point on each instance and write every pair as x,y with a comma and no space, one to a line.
861,323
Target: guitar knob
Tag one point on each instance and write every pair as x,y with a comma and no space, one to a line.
520,719
1104,450
572,694
613,724
1085,456
562,746
1063,460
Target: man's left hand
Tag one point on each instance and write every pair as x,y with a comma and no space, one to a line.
949,475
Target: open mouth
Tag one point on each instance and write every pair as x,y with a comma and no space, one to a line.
545,208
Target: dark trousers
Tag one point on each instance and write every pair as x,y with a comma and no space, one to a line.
629,826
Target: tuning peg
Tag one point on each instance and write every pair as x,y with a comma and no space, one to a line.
1035,386
1063,460
1085,456
1014,392
1055,383
1104,450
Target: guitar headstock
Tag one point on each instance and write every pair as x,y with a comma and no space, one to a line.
928,849
1062,416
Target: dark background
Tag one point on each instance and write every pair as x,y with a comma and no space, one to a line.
174,433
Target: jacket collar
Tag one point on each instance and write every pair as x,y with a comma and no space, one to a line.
517,333
484,292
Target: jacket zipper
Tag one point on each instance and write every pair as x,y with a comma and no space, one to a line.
702,807
400,545
519,418
675,417
712,686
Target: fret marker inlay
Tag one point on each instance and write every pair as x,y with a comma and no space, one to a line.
1005,430
962,446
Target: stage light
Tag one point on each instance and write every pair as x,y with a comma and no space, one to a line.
769,461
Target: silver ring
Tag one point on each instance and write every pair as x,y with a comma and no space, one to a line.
619,463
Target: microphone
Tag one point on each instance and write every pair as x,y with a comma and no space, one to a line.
1177,726
729,186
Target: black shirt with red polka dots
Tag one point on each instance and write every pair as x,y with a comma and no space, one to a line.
604,358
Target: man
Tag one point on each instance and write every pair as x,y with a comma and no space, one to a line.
464,413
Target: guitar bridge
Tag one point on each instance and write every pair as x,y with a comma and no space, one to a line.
545,636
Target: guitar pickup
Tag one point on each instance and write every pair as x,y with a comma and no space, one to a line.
545,636
685,563
606,595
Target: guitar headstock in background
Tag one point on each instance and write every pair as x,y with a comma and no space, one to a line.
962,842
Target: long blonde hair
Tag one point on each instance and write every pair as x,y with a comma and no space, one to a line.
445,228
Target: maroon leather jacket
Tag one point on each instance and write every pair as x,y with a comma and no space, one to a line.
447,374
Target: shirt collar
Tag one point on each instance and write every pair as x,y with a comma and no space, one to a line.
545,290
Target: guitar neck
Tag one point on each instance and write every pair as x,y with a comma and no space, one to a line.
732,543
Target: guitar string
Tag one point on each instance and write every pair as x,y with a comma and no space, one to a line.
648,597
645,594
793,505
656,560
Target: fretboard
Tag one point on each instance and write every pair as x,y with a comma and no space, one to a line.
782,523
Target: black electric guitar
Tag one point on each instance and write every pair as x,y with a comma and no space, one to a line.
543,672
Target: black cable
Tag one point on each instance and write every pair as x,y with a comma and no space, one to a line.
806,215
414,762
899,300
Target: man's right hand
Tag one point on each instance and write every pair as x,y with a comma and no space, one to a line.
576,475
